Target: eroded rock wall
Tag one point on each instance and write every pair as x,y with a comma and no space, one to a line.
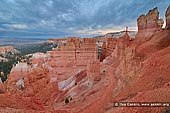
167,15
148,24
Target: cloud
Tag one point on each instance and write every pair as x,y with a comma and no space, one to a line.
19,26
72,17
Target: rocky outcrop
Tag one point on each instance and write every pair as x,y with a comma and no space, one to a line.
142,71
6,52
118,44
150,21
148,24
160,23
86,50
152,18
76,51
73,56
19,70
35,81
5,49
21,67
111,45
141,21
2,88
167,15
158,95
150,78
20,103
158,41
17,73
93,70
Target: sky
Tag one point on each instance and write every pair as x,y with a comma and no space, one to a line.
62,18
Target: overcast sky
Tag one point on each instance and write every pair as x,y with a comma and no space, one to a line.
61,18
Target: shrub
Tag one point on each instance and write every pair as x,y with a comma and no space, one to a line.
66,100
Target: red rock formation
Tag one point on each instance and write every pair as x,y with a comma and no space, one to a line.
142,71
72,57
111,45
2,88
150,21
141,22
152,18
158,95
71,87
76,51
153,66
118,44
148,24
135,71
86,51
21,103
160,23
167,15
158,41
93,70
5,49
35,81
101,39
17,72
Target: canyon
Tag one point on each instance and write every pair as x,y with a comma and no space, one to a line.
74,78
